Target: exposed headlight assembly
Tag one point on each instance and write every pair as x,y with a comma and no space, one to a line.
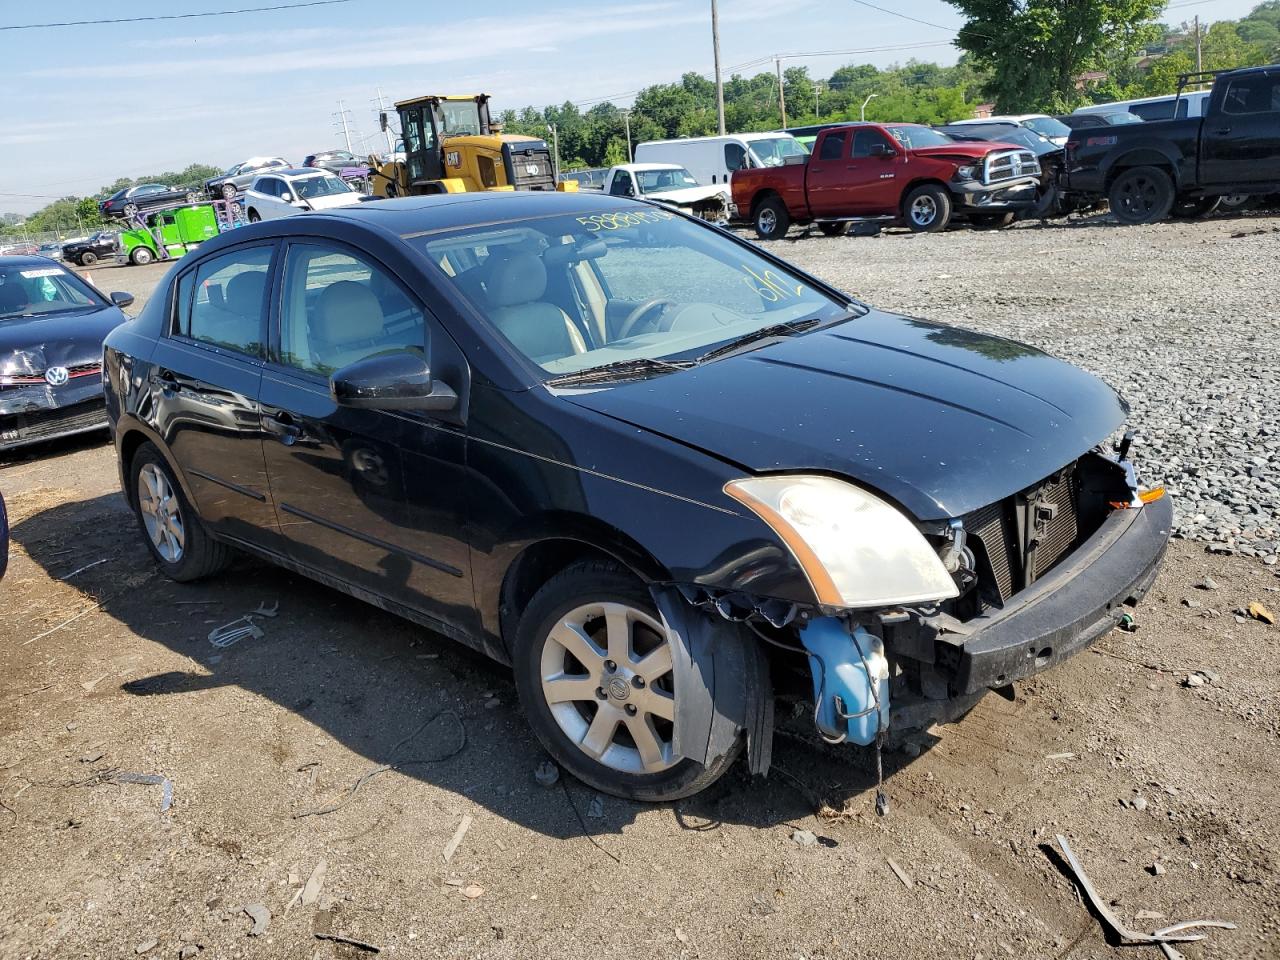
966,173
856,549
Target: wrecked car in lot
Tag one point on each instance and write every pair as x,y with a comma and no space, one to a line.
658,471
52,324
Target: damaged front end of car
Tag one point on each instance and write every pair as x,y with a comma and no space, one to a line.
922,619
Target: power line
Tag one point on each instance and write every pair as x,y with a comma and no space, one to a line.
903,16
173,16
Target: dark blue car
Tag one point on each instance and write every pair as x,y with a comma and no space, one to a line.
661,473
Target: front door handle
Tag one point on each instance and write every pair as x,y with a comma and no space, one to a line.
281,426
169,382
1223,131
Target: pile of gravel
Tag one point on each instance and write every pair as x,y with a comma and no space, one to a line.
1182,318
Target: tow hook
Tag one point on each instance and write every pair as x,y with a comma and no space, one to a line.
850,688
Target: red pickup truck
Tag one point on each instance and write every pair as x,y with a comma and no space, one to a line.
897,171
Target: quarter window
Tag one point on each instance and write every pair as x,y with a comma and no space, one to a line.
225,308
339,308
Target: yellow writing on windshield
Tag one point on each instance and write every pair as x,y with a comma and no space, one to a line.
772,287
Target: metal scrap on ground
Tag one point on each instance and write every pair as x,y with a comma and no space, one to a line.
1132,938
451,847
150,780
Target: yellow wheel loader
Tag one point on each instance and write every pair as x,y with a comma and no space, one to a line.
451,146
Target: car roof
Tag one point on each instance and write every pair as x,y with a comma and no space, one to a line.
297,172
410,216
24,260
1118,106
642,167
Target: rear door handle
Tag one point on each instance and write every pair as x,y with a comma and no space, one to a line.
281,426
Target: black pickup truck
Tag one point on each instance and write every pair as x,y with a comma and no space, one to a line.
1148,171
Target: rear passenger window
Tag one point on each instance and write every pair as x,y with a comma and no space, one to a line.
225,308
339,308
832,147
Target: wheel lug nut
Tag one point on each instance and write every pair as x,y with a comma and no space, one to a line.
610,666
638,682
631,709
600,694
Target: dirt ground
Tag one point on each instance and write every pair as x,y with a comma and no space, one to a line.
1167,792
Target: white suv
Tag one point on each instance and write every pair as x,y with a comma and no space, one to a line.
283,193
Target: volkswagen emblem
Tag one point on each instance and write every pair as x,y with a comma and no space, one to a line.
56,376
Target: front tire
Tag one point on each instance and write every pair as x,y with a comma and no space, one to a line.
1141,195
88,258
1237,203
228,191
170,526
593,667
771,219
927,209
141,256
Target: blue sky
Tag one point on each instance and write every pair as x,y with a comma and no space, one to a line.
84,105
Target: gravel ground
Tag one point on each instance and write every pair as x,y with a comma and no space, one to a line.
1181,318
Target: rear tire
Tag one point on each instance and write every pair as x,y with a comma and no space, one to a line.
833,229
1141,195
771,219
171,528
141,256
228,191
927,209
591,604
1237,203
254,216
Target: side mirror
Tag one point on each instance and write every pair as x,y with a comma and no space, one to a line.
382,120
398,381
882,150
121,299
287,197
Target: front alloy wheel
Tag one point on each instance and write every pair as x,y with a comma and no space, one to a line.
595,670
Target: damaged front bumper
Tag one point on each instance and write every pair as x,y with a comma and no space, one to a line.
1069,608
1006,195
32,413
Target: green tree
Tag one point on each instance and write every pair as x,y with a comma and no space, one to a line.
1036,49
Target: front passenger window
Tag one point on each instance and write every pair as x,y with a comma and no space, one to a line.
227,308
339,308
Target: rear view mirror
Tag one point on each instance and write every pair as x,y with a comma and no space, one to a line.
398,381
121,299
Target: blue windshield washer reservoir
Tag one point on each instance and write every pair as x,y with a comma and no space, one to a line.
846,683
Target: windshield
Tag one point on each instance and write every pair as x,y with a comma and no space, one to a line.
308,188
636,283
773,151
27,291
912,136
460,118
1048,127
656,181
1002,133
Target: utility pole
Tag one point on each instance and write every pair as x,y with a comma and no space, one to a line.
342,118
555,140
1199,47
782,98
382,108
715,47
626,119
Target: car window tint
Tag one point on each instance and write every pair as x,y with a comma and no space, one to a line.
864,140
339,308
833,146
230,293
1258,94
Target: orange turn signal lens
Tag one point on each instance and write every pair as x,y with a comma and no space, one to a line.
1151,496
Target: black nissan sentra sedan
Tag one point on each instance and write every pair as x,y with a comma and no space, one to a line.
663,474
51,328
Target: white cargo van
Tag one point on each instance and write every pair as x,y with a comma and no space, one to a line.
712,160
1194,104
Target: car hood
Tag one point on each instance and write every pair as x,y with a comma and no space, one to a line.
942,420
966,149
57,341
334,200
683,195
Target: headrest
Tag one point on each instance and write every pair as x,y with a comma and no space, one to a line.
520,279
12,295
347,312
243,293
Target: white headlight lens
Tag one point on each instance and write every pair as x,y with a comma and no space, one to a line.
967,173
856,550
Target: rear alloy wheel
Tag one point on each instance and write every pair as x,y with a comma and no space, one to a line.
228,191
130,210
772,221
594,667
1194,209
1141,195
833,229
172,530
927,209
141,256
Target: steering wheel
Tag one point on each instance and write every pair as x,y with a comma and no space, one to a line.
633,318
